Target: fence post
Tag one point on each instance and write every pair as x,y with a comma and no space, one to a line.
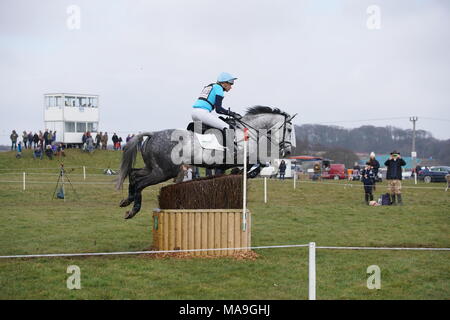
295,178
24,181
84,173
312,271
265,189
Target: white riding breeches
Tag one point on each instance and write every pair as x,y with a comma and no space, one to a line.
209,118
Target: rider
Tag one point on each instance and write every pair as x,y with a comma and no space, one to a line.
211,99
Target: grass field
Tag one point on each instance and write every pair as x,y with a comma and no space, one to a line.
329,214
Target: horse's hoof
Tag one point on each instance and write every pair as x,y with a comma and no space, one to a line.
130,214
124,203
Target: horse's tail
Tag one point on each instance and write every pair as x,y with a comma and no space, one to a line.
129,157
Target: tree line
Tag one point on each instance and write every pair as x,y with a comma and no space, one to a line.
313,137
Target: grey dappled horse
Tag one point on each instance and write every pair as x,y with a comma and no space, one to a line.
158,151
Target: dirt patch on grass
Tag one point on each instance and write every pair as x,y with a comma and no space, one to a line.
240,255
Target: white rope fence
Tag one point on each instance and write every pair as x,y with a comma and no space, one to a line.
311,256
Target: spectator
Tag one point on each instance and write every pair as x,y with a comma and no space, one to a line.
317,171
60,150
356,171
19,150
37,152
105,141
119,143
30,139
415,171
90,146
50,137
98,139
187,170
41,139
196,173
282,169
128,138
83,138
115,139
394,176
373,162
49,152
25,139
368,180
13,138
54,136
35,140
45,136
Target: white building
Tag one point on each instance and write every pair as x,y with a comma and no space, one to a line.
71,115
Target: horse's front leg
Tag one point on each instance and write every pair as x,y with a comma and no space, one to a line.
131,190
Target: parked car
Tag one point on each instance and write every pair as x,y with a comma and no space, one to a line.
337,171
433,174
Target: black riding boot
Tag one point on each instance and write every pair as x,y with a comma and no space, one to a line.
393,199
371,196
399,199
366,198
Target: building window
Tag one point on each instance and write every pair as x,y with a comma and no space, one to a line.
81,126
70,126
70,102
58,101
92,102
92,126
50,101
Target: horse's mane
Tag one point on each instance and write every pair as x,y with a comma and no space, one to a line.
255,110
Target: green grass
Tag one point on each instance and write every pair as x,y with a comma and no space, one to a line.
329,214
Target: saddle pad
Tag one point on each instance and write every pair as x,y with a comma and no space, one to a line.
209,141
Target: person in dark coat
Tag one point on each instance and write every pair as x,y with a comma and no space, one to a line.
45,138
394,176
368,180
115,139
373,162
30,140
35,139
282,169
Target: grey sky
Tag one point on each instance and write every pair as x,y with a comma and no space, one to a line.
148,60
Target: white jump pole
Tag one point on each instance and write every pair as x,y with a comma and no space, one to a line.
23,181
265,189
84,173
312,271
415,177
244,198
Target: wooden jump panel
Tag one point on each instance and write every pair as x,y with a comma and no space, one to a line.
201,229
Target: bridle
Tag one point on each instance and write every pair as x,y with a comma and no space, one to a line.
283,144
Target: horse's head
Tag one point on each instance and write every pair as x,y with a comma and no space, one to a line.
277,123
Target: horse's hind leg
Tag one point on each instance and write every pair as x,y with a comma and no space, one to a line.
143,181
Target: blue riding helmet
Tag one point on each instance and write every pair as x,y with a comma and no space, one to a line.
226,77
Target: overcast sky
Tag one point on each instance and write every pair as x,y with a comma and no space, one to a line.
148,60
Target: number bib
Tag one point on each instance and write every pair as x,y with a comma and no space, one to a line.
205,92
